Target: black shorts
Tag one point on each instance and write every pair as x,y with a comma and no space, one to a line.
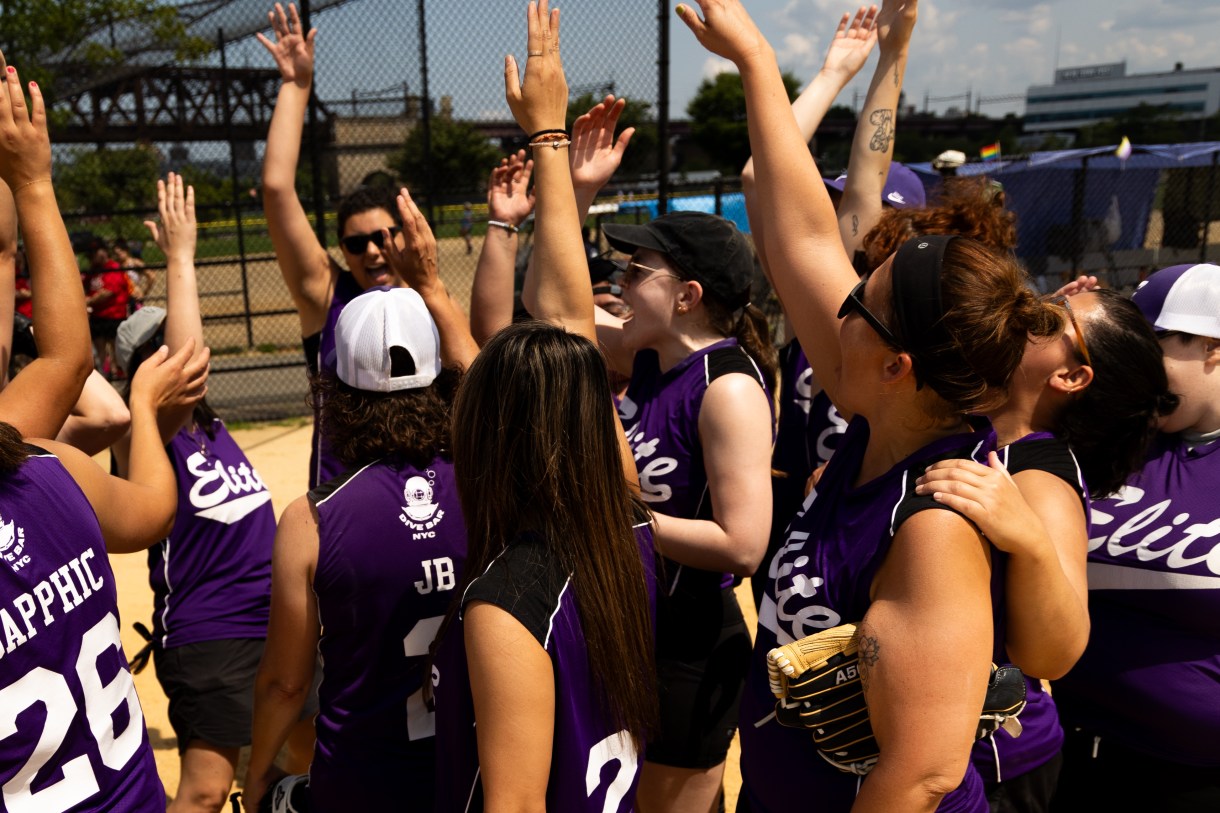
703,654
210,686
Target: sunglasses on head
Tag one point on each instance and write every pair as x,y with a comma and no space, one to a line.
359,243
1063,302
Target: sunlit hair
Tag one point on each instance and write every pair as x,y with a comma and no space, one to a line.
971,207
1111,422
990,311
367,199
536,451
362,426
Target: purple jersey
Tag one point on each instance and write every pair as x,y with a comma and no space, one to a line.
821,578
391,546
594,768
1000,756
211,577
319,350
72,732
661,414
1150,676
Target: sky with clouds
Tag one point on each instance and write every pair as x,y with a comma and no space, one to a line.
992,47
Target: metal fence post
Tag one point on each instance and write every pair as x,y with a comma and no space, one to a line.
227,110
315,145
718,193
663,107
426,113
1078,191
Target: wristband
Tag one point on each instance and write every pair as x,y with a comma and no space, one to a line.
540,133
508,227
553,144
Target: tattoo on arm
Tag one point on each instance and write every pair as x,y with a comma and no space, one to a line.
870,653
884,134
855,225
897,76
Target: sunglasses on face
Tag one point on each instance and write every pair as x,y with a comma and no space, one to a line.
630,271
855,302
1063,302
359,243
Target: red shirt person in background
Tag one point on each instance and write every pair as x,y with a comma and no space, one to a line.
106,294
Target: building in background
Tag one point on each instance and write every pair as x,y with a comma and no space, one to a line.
1080,97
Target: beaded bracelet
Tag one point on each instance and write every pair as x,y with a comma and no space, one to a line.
556,144
508,227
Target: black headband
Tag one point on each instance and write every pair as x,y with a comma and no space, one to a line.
915,276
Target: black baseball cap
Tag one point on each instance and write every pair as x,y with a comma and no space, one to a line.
706,248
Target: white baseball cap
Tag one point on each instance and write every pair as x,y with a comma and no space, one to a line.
1185,298
386,341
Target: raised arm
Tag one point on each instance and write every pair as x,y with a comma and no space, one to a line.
1038,520
559,290
853,42
416,265
509,203
873,145
39,400
308,270
176,238
810,270
925,650
595,154
8,274
139,511
286,670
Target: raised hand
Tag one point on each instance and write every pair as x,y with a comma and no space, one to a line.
166,382
416,263
509,199
725,29
540,100
1082,284
25,147
175,236
292,50
895,24
988,497
595,154
852,43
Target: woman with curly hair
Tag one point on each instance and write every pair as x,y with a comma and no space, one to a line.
365,565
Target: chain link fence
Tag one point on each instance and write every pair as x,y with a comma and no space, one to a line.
404,94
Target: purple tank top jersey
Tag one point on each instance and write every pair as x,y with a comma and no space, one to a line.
661,414
211,577
1150,676
392,544
594,768
809,426
319,350
819,579
72,732
1000,756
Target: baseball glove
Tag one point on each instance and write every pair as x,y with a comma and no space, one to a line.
817,681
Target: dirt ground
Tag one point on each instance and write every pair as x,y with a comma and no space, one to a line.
280,454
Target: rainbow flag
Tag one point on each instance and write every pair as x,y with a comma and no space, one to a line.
1124,149
991,152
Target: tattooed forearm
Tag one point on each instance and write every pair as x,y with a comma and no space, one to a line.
884,134
870,654
855,225
897,76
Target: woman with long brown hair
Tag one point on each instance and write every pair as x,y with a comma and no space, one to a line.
550,648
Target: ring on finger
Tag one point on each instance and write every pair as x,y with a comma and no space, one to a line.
535,53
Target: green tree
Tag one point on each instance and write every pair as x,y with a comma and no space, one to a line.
110,180
718,119
641,155
50,40
460,160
